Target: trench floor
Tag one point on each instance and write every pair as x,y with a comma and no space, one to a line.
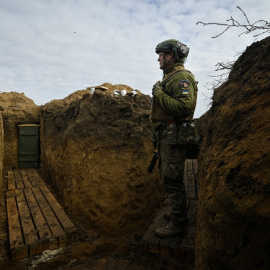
181,246
36,221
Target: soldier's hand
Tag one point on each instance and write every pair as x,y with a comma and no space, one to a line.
157,88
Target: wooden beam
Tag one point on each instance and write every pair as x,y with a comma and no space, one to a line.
41,225
48,214
11,181
18,179
25,179
17,246
62,217
29,230
36,221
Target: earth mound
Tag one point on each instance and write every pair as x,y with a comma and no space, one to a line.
234,213
95,153
14,100
16,109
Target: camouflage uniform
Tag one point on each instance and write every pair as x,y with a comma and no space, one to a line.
177,99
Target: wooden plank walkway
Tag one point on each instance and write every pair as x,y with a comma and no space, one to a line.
180,247
36,221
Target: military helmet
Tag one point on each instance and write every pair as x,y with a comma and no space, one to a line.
179,49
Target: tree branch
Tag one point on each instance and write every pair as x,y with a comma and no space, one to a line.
260,25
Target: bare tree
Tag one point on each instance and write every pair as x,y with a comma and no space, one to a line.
260,25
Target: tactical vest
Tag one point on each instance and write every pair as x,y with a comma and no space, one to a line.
158,114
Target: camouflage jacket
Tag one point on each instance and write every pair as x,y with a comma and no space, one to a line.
178,98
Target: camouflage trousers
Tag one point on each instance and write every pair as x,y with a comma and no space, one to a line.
171,169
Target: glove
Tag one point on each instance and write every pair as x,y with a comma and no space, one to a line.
157,88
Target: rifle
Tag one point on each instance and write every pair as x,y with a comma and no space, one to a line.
153,162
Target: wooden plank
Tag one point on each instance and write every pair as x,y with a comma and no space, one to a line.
18,179
63,240
186,167
25,179
36,220
190,189
42,228
62,217
36,248
19,253
191,179
16,238
195,166
34,177
70,231
192,212
53,243
18,249
29,231
50,218
188,242
189,166
11,181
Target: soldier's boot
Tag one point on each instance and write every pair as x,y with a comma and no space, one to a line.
171,229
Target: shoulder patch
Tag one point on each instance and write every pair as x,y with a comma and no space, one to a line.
184,86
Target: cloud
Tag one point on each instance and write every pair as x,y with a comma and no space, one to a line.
50,49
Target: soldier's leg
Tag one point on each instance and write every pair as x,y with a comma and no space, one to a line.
172,172
172,163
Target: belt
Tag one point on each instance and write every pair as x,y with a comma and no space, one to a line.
182,123
161,132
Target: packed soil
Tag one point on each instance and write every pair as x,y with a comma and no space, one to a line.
95,154
95,150
234,203
16,109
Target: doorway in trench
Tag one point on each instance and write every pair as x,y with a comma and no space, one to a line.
28,146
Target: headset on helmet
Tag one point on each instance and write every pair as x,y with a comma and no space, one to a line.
179,49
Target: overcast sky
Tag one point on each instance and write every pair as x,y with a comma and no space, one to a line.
52,48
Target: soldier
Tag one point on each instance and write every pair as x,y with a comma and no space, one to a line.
174,101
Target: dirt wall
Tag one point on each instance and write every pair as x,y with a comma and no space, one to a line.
16,109
234,213
95,153
1,149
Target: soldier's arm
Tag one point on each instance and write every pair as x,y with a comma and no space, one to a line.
177,99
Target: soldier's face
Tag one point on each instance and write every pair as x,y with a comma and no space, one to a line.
165,60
